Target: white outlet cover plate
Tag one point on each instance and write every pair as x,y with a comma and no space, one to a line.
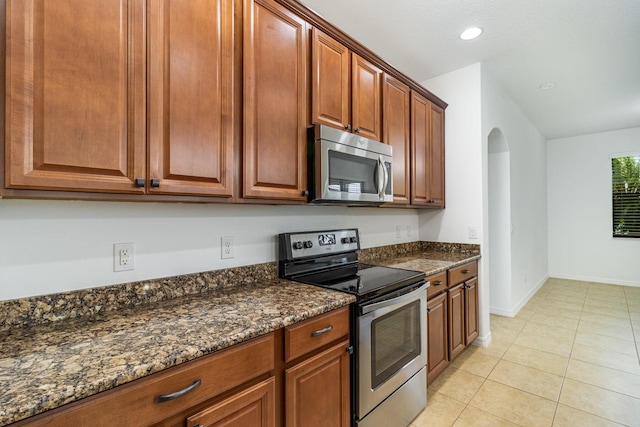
227,249
118,265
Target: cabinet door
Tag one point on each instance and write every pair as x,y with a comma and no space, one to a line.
252,407
275,102
366,86
191,97
330,81
471,310
436,154
76,95
437,341
420,132
456,320
396,132
317,390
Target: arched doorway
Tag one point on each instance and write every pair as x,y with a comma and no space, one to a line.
499,216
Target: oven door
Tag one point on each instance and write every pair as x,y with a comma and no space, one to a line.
392,345
352,174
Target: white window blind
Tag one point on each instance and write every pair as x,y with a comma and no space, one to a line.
626,196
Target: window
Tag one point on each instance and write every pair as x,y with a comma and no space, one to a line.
626,196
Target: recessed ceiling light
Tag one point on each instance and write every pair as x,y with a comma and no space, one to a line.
471,33
548,86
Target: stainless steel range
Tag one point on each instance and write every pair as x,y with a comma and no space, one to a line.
388,324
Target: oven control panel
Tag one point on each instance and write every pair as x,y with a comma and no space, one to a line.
318,243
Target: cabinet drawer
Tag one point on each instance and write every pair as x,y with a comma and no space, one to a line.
463,272
136,403
312,334
438,284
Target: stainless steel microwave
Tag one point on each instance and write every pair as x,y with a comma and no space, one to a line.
345,168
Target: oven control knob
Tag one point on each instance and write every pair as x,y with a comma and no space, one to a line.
346,240
353,239
308,244
297,245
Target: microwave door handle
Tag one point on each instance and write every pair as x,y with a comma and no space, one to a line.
382,178
386,177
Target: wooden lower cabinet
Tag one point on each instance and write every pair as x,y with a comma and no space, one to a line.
455,303
317,390
437,331
247,385
471,310
252,407
452,315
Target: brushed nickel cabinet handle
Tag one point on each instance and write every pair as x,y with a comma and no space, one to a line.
179,393
465,271
438,283
321,331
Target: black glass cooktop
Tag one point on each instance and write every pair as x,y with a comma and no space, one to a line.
369,281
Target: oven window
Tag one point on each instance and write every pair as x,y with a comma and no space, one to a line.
395,341
352,174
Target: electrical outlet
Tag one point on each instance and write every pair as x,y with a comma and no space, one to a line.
226,245
473,232
123,259
397,231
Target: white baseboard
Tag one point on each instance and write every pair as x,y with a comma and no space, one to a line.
596,280
512,312
483,341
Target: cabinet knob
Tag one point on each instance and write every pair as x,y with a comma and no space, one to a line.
347,127
139,182
357,130
155,183
428,310
305,193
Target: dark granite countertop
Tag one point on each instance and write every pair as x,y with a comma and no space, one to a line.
46,366
60,348
431,262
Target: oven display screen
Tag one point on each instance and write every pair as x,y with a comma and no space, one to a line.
326,239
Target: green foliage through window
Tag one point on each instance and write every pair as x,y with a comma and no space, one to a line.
626,196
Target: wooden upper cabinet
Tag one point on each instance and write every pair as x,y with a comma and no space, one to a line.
366,94
436,150
330,81
191,82
396,127
346,89
275,102
420,133
427,147
76,95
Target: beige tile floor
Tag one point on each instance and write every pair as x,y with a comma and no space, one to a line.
569,358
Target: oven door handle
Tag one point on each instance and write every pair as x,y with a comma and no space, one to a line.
396,297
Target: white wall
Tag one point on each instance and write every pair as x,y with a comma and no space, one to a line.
463,165
580,221
55,246
461,89
477,105
527,153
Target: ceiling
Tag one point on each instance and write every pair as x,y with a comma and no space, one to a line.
589,48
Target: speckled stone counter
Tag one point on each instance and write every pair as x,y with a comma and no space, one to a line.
429,257
47,365
59,348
